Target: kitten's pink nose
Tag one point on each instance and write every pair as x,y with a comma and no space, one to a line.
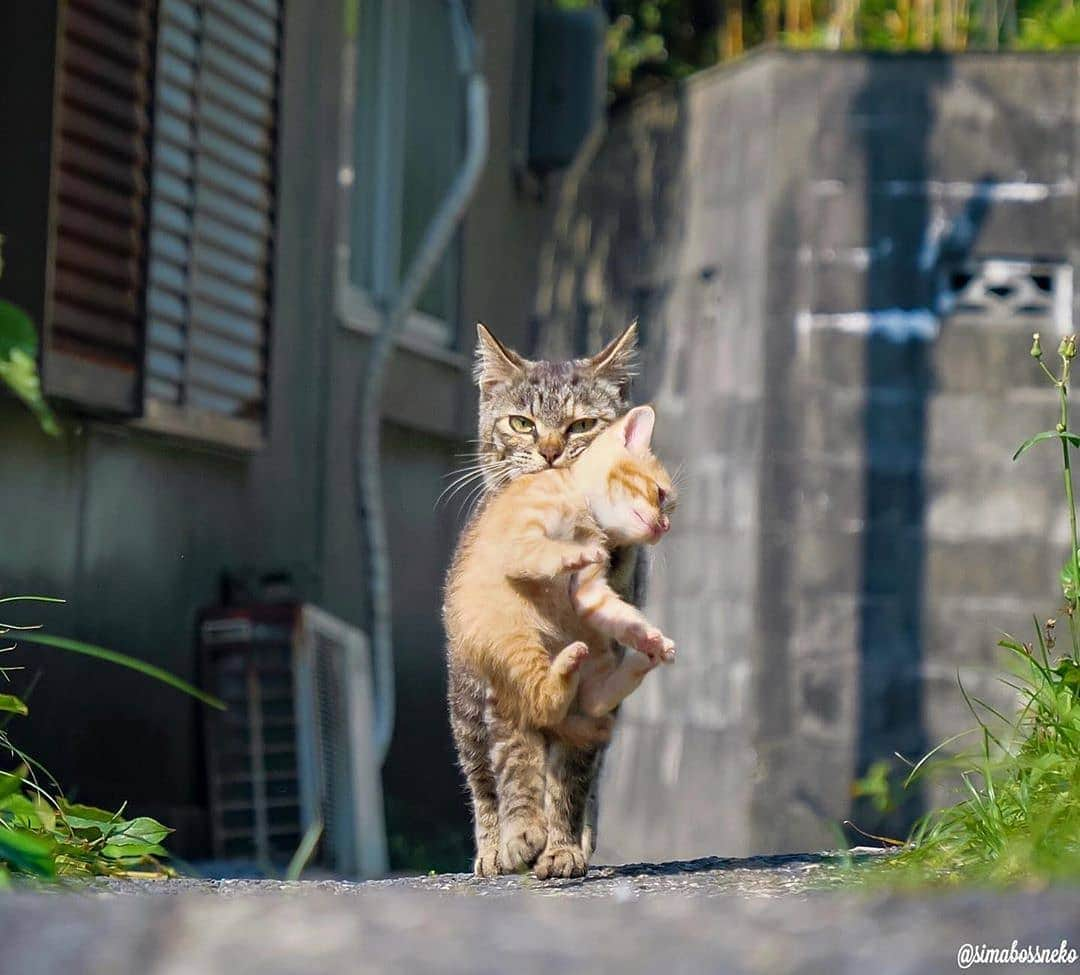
663,524
550,450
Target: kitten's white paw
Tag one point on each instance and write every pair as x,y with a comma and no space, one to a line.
570,658
651,642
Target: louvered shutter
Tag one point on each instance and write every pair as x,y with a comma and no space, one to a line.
94,315
212,214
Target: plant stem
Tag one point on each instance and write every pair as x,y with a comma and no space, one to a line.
1074,624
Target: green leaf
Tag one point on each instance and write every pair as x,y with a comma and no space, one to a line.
18,363
122,846
101,653
1067,436
89,813
11,782
28,852
144,829
1070,585
11,704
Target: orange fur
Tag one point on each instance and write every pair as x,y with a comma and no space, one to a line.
527,585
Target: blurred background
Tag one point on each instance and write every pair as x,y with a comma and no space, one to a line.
838,224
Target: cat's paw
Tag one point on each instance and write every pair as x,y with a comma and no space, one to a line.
561,861
650,641
524,841
583,557
487,863
569,660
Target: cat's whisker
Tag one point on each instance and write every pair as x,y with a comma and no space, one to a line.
468,477
465,480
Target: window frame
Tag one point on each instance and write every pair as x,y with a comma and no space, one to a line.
358,308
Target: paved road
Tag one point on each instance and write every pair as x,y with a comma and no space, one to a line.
758,915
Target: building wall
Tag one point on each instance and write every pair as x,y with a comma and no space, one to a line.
852,530
135,529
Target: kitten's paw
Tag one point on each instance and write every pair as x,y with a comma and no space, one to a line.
651,642
561,861
570,658
487,863
585,556
524,841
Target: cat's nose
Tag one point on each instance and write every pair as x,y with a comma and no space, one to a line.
550,450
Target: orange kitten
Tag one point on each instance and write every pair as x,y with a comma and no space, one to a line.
528,607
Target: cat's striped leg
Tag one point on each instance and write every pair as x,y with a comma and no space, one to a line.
518,760
472,736
570,774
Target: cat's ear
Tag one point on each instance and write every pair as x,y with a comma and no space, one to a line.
616,361
495,363
638,429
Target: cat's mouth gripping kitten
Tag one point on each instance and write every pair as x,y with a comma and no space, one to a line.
536,415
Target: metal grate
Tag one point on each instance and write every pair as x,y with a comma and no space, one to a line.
212,218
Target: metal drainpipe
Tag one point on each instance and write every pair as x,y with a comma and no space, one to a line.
368,467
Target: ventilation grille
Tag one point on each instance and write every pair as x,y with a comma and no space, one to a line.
294,747
101,197
252,747
208,301
1011,292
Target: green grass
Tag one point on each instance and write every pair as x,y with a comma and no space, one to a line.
44,837
1017,820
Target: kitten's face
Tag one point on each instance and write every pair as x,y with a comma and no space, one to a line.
631,495
535,415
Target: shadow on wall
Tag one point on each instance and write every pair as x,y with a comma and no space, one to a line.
902,301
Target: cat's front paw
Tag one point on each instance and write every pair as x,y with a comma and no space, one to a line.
583,557
524,841
486,863
561,861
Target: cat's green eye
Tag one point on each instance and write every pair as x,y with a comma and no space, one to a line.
581,426
522,424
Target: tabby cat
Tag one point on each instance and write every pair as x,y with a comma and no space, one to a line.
535,797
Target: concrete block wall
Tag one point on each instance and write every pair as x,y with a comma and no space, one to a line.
809,241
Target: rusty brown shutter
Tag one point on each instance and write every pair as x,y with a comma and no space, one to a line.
93,315
212,214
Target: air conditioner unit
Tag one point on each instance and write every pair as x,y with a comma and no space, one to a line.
295,745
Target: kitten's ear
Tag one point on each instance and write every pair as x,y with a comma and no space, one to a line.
495,363
638,429
616,361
